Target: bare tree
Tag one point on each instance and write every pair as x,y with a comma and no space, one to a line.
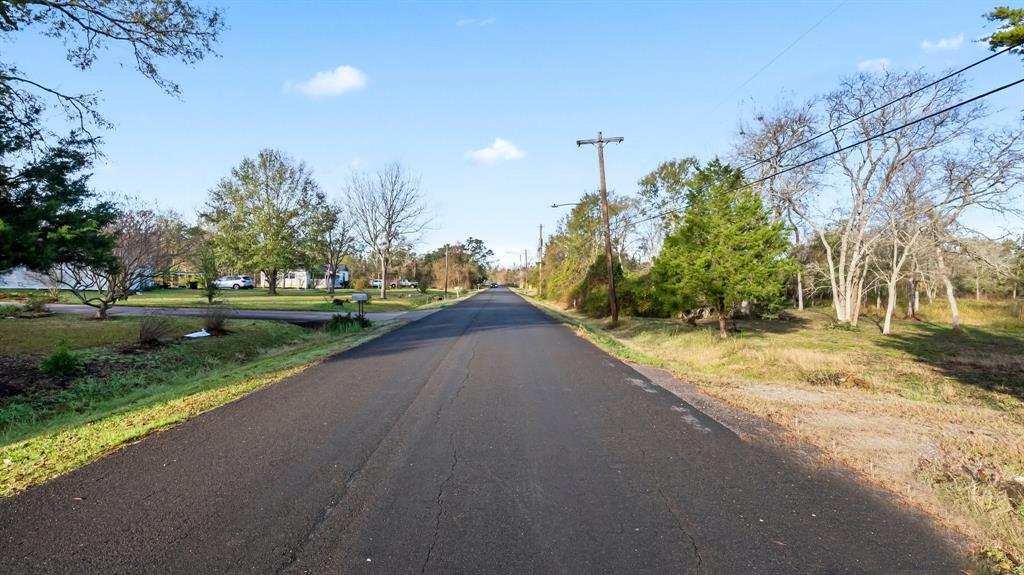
138,246
872,169
985,176
388,214
776,143
330,238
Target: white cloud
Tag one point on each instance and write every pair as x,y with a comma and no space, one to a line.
332,83
874,65
944,44
500,150
475,22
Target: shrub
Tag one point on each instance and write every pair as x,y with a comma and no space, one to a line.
154,327
215,317
8,310
360,283
62,362
37,303
342,324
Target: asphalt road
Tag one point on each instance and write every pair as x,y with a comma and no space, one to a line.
485,438
276,315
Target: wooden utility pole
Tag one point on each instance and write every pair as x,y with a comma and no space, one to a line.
446,271
540,260
600,142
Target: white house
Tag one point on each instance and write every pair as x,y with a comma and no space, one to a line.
23,278
306,279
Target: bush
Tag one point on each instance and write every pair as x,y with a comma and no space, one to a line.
342,324
8,310
215,317
360,284
37,303
154,327
62,362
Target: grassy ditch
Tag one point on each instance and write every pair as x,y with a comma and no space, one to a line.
934,416
124,391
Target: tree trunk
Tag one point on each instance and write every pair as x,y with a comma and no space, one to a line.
878,298
954,312
799,290
890,307
977,288
101,311
722,331
383,279
332,273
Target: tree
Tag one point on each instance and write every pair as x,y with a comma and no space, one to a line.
388,214
154,30
48,213
261,212
777,143
330,239
662,197
210,269
1011,29
871,170
136,233
727,249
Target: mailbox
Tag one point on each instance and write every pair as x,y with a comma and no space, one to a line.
360,297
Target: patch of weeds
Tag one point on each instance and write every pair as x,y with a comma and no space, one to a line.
9,310
342,324
62,362
154,327
37,303
834,378
995,561
215,318
837,325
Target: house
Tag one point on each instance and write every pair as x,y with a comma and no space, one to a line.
306,279
23,278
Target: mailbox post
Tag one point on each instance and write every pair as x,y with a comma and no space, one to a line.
360,298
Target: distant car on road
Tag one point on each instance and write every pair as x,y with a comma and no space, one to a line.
494,284
234,282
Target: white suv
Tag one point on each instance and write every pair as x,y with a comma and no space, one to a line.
234,282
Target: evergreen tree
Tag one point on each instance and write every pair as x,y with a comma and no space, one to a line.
726,251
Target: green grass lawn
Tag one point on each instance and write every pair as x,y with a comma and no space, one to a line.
934,415
125,391
286,300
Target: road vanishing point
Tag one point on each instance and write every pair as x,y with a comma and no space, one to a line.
483,438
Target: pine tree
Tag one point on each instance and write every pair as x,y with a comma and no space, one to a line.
726,250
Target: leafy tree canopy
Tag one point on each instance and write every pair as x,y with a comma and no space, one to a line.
1011,30
726,251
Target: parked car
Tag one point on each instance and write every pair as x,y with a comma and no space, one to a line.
234,282
404,284
376,283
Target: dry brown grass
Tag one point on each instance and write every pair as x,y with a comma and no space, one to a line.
933,416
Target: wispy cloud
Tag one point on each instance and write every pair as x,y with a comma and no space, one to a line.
500,150
944,43
475,22
874,65
331,83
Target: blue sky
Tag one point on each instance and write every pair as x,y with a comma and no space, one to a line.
429,84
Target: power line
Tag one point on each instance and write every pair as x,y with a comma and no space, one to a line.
787,48
878,108
858,143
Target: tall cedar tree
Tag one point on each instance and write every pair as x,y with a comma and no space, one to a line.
726,251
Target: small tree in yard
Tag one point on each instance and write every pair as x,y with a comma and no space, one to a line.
137,245
727,249
211,271
330,238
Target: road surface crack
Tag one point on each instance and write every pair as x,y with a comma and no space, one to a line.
440,503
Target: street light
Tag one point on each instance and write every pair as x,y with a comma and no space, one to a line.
566,204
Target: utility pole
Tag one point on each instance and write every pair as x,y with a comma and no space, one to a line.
540,260
526,268
446,271
600,142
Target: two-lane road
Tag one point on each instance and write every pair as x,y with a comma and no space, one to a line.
485,438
